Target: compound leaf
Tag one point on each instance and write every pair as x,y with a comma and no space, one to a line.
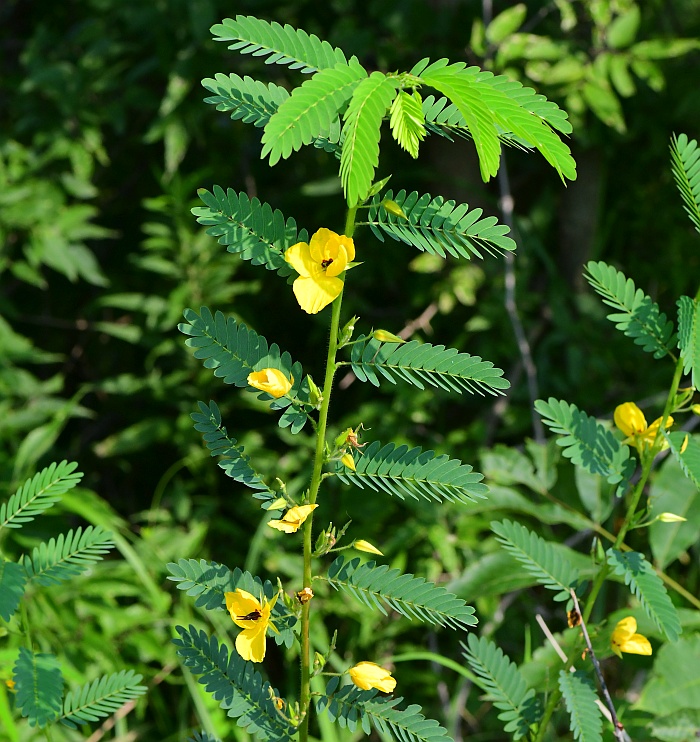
249,228
413,597
689,337
66,556
647,586
13,581
402,472
234,351
280,44
310,111
101,698
407,121
505,685
361,130
437,226
251,101
38,687
350,706
585,441
580,699
422,363
685,163
234,683
637,315
540,559
233,461
39,493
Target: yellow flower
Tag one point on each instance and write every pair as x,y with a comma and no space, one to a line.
270,380
624,638
347,460
254,618
631,421
293,518
368,675
10,684
362,545
319,264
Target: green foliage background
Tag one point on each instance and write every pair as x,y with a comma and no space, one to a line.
104,141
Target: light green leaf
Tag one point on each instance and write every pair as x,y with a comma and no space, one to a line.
407,121
685,163
623,30
672,492
682,726
689,459
675,681
361,130
506,23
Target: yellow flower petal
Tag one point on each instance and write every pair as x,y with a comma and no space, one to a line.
366,675
315,293
624,638
293,518
630,419
270,380
251,645
241,604
299,257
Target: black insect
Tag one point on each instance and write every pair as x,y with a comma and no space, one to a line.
252,616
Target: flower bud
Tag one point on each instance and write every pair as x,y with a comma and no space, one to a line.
671,518
393,208
362,545
384,336
348,461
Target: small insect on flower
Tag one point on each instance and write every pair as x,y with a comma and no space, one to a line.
252,616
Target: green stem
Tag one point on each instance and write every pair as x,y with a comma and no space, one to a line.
316,478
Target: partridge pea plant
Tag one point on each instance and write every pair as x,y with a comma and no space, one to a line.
341,108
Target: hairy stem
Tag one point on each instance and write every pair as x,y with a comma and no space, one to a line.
316,477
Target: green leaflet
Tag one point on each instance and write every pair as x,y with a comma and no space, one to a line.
310,110
251,101
404,472
413,597
422,363
208,581
685,163
249,228
361,130
580,699
637,315
506,687
66,556
235,683
585,441
101,698
281,44
350,706
690,458
466,97
647,586
38,687
540,559
437,226
234,351
38,494
407,121
234,462
13,581
689,337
